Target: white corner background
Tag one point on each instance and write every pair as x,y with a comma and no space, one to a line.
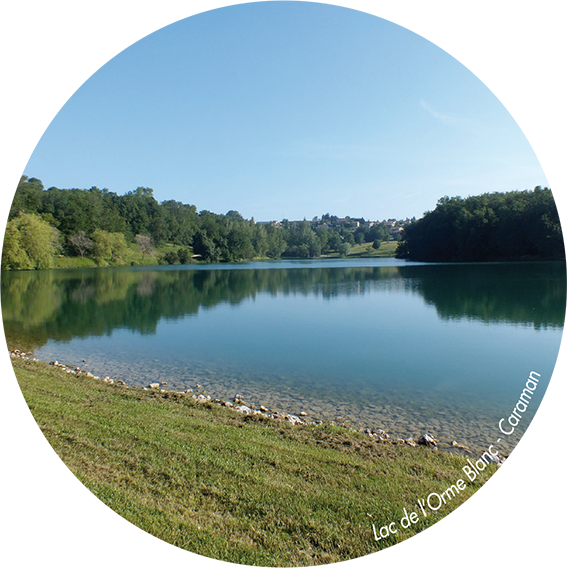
466,7
5,449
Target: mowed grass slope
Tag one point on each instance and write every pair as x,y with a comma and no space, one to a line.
387,249
244,489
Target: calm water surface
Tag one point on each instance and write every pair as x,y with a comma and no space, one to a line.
384,343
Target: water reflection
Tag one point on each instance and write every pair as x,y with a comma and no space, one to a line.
42,305
383,343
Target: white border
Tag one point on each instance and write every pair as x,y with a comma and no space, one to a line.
466,7
5,449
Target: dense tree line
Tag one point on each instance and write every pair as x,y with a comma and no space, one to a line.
87,210
517,225
100,224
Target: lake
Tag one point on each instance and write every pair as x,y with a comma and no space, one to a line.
381,343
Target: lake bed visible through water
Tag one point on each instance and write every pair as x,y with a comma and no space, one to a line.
380,343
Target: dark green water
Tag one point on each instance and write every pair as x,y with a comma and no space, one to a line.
383,343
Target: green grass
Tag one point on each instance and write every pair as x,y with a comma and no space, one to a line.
387,249
244,489
73,262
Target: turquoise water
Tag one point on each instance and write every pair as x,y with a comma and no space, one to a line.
383,343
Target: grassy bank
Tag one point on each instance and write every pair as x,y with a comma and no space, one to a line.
365,250
245,489
134,257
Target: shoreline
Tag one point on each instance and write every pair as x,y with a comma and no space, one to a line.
198,394
197,262
61,262
241,488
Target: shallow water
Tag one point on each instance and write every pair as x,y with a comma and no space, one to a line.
384,343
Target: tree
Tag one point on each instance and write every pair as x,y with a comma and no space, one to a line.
376,244
334,240
108,247
314,245
517,225
276,241
29,242
323,236
302,241
184,255
359,237
344,249
181,221
239,243
145,243
260,241
379,231
234,215
170,257
81,242
27,198
203,245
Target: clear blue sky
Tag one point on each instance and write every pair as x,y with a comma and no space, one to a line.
287,110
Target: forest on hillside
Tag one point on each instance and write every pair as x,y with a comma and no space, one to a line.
100,224
103,226
516,225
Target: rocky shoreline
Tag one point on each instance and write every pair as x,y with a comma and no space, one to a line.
198,394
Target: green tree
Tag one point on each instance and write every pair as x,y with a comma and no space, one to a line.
334,241
276,241
108,247
181,222
359,237
27,198
349,238
302,241
170,257
344,249
517,225
379,231
239,242
184,255
204,246
323,236
260,241
29,242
